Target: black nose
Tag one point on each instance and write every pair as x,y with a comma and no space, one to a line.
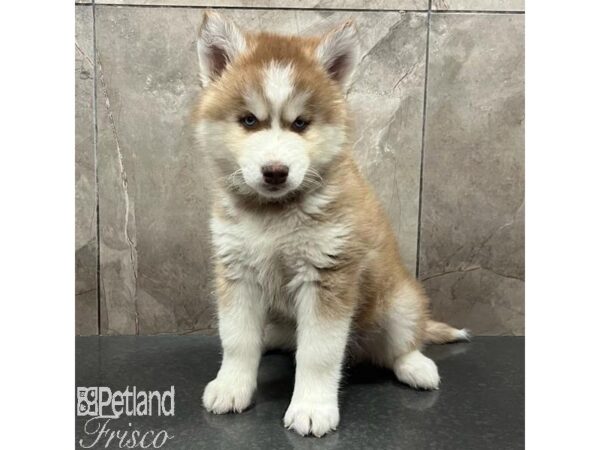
275,173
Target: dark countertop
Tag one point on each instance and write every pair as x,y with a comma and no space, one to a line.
480,404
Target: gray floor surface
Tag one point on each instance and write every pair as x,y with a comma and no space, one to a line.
480,404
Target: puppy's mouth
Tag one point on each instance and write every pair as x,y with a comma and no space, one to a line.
278,188
274,191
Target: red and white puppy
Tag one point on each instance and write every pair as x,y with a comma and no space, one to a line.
306,259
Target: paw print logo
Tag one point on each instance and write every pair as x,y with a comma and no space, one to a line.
87,401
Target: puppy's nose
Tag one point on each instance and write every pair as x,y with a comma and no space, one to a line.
275,174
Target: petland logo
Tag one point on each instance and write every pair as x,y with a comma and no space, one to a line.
103,406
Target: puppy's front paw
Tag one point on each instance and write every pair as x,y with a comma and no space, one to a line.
317,418
223,395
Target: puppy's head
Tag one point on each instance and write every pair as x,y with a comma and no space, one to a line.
272,116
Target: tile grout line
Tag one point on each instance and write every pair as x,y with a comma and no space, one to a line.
95,123
474,11
257,8
424,122
291,8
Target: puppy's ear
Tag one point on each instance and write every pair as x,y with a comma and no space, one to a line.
220,41
338,52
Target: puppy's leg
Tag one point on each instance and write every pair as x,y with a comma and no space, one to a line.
404,331
322,337
241,321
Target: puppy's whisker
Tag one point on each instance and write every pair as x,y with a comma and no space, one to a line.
312,180
234,180
315,174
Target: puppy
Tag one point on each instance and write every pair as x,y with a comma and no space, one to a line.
306,259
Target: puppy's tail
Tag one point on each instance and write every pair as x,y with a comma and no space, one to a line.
440,333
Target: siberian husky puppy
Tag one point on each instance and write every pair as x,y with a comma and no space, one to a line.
305,257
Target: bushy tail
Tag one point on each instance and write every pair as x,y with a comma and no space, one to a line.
440,333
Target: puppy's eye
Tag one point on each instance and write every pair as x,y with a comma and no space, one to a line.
299,124
249,121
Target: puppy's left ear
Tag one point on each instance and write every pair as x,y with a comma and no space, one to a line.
220,41
338,52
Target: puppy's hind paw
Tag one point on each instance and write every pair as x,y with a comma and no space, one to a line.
417,370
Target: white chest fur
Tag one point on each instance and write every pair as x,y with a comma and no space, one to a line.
277,251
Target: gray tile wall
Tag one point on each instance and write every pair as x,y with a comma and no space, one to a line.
455,197
472,219
86,244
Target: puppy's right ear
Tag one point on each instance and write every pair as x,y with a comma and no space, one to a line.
220,41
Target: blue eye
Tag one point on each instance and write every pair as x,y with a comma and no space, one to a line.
299,124
249,121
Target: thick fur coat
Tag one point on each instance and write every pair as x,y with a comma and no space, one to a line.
306,259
